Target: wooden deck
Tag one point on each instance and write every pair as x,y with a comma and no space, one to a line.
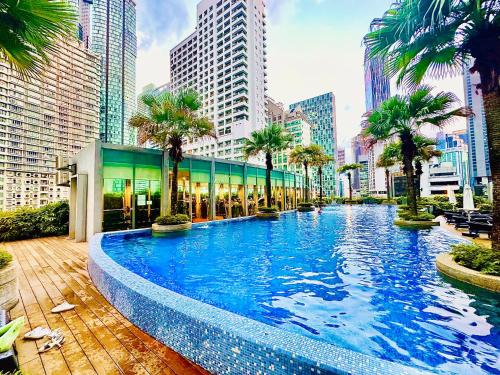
98,338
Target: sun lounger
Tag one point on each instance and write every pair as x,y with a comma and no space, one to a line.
475,228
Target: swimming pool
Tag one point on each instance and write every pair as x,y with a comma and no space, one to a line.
346,276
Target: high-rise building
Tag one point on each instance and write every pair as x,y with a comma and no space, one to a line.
297,124
84,10
377,90
479,159
43,119
143,109
321,113
225,61
113,38
275,112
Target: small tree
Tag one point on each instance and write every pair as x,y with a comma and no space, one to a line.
172,120
386,160
320,161
347,169
269,140
304,156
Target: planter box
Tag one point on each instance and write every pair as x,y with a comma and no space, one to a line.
446,265
427,224
9,295
267,215
171,228
306,209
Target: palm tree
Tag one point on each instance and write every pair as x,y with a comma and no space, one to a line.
425,153
271,139
172,120
438,37
348,168
29,31
387,160
320,160
304,156
403,116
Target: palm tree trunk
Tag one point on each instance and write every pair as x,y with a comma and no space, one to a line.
306,168
269,168
412,198
350,185
492,111
174,192
320,174
418,174
387,184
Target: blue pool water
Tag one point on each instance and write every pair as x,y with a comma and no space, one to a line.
346,276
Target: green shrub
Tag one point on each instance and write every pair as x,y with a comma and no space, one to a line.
340,200
485,207
421,216
389,201
372,200
5,258
477,257
25,223
268,210
172,219
306,204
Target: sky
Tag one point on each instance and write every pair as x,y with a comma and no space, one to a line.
314,46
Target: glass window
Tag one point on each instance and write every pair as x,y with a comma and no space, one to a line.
200,190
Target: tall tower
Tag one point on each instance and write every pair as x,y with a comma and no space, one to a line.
377,90
321,113
479,157
225,61
113,38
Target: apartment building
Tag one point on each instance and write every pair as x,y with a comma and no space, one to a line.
225,61
42,119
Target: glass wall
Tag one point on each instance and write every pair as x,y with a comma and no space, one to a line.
207,189
200,190
131,189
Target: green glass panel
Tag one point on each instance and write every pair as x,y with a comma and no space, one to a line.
237,174
200,171
252,172
147,172
222,171
117,156
116,170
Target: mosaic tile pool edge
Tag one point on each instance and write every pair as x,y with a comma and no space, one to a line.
220,341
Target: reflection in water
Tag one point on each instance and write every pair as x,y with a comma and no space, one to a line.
346,276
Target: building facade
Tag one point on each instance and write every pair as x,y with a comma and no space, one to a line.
377,90
113,38
117,187
321,113
479,159
43,119
297,124
225,61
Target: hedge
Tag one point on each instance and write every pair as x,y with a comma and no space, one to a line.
25,223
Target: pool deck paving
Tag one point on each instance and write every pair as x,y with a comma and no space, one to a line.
98,339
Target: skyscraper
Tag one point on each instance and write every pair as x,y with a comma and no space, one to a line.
225,61
377,90
113,38
479,159
43,119
321,113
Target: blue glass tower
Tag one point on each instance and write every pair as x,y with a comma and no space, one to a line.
113,37
320,111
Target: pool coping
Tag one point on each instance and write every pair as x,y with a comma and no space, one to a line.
231,343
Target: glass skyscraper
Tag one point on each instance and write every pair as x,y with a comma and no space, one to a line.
113,37
320,111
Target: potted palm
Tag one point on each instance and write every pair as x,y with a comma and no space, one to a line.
347,169
304,157
171,223
171,121
8,281
271,139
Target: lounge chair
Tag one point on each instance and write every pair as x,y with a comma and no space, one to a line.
460,221
475,228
